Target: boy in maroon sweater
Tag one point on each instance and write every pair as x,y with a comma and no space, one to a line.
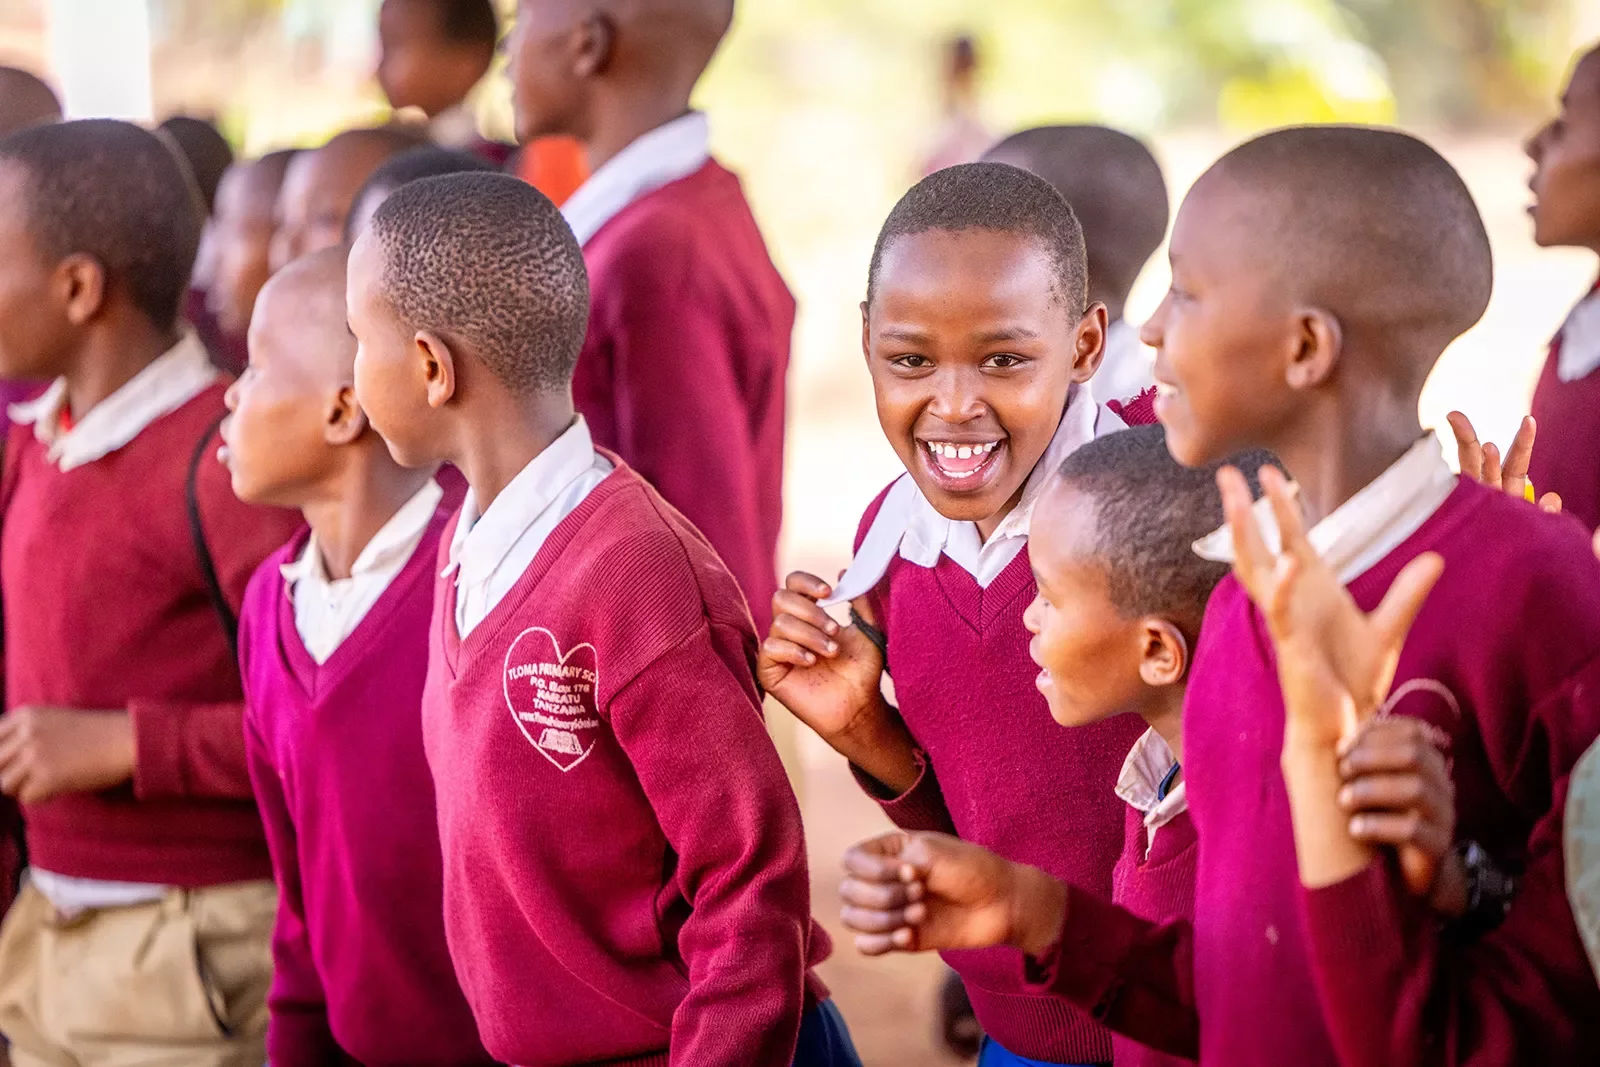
1566,213
333,649
1321,350
625,873
143,930
979,336
683,367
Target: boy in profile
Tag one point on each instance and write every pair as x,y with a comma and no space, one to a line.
625,871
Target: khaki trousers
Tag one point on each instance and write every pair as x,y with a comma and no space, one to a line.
180,982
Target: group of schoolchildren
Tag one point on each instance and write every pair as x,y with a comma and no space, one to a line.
399,700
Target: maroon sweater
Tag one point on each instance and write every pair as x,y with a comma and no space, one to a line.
682,373
1158,887
360,968
106,607
625,872
1360,972
998,770
1567,459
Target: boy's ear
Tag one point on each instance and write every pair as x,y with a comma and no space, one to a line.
1090,343
345,422
866,334
438,367
1317,351
595,45
82,283
1164,658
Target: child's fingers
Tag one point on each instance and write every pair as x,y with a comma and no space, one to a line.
877,859
1514,477
1550,503
807,636
779,650
1392,792
1399,829
1492,472
872,920
1392,744
1468,451
808,585
1286,510
1252,560
787,604
879,896
1404,599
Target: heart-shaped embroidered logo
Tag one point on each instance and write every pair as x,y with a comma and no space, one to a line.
551,695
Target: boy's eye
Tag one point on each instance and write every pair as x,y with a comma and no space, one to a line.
1004,360
911,361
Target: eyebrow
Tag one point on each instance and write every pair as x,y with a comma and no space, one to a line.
1004,333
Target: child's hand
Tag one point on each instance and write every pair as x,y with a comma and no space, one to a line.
916,892
1335,662
1482,462
1397,792
45,752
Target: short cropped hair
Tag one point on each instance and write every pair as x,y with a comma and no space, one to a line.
1148,512
468,21
1114,185
203,150
425,161
996,197
112,191
487,261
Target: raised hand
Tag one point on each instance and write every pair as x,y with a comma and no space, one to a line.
917,892
829,676
1482,462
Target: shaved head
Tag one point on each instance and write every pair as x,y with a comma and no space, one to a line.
1115,188
25,101
305,300
321,186
1372,225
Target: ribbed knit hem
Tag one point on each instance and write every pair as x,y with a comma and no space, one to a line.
1040,1027
920,807
1356,920
185,864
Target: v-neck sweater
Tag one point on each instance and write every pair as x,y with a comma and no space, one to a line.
997,770
625,872
361,971
1503,665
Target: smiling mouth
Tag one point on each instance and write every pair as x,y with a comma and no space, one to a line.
962,461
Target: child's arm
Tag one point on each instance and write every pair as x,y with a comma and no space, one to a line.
1396,986
829,676
718,789
924,891
298,1034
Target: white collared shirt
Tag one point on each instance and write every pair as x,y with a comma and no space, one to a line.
173,379
1368,526
1139,784
490,552
1580,340
910,526
328,610
667,153
1128,367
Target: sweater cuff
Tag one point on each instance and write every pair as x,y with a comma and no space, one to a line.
1356,920
1083,965
158,731
921,807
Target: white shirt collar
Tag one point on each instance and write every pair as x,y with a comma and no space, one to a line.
664,155
1139,784
1368,526
454,127
909,525
170,381
482,541
391,544
1580,340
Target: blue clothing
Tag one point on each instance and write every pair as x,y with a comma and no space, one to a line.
825,1039
993,1054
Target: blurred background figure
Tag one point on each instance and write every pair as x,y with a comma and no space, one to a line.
432,56
321,185
205,156
25,100
235,253
961,137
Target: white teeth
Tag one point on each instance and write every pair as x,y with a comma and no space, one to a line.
952,451
964,452
1165,390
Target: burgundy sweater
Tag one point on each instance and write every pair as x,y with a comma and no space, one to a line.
1361,972
360,968
625,872
682,373
106,607
1567,459
1158,887
998,771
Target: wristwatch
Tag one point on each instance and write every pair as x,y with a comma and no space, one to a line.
1490,891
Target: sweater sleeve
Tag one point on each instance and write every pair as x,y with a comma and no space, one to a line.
1134,976
196,748
729,814
298,1034
1396,987
682,423
921,807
